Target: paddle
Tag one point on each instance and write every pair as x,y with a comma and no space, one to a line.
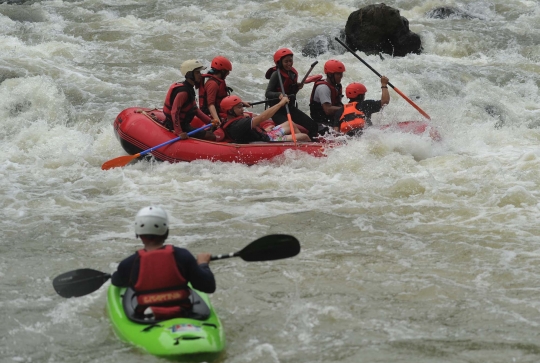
124,160
268,248
309,71
390,84
287,107
265,101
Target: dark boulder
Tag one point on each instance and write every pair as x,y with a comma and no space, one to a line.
380,28
324,43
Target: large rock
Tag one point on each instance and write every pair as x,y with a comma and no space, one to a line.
380,28
324,43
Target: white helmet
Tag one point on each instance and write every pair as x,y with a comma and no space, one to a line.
151,220
191,65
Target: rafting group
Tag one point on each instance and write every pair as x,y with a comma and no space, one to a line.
229,121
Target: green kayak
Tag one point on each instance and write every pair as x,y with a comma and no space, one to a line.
199,337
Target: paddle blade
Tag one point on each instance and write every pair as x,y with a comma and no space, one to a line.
118,162
269,248
79,282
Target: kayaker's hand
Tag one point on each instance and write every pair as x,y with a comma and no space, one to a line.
216,122
336,129
183,136
384,81
203,258
284,100
246,104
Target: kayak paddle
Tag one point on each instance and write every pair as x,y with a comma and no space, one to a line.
79,282
267,248
390,84
124,160
84,281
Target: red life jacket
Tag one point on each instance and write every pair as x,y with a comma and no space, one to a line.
160,285
188,109
288,82
352,118
221,94
316,109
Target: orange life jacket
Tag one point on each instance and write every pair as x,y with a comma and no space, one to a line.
316,109
352,118
188,109
160,285
223,92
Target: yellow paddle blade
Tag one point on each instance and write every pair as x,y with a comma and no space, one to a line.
119,161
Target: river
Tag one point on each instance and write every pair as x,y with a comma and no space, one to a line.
412,250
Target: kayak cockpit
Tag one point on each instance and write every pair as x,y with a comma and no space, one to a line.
199,311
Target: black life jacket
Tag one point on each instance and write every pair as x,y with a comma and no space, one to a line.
160,285
315,108
256,134
188,109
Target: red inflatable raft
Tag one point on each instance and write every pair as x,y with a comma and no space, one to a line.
139,129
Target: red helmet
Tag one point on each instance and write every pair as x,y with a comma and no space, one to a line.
355,89
280,53
229,102
334,66
221,63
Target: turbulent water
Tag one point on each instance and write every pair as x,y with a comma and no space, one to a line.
412,250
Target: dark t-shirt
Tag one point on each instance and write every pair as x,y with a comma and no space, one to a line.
200,276
242,133
368,107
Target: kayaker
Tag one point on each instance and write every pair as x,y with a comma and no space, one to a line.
354,116
159,273
243,128
213,87
180,106
283,59
326,95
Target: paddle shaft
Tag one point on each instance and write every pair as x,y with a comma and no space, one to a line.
265,101
220,257
390,84
287,107
173,140
309,71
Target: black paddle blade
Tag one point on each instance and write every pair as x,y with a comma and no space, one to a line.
269,248
79,282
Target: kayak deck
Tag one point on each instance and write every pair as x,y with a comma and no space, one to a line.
180,338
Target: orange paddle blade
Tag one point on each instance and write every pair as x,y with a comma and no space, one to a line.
119,161
291,126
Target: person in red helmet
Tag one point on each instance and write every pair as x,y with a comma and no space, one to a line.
243,128
283,59
354,116
213,87
326,95
180,106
